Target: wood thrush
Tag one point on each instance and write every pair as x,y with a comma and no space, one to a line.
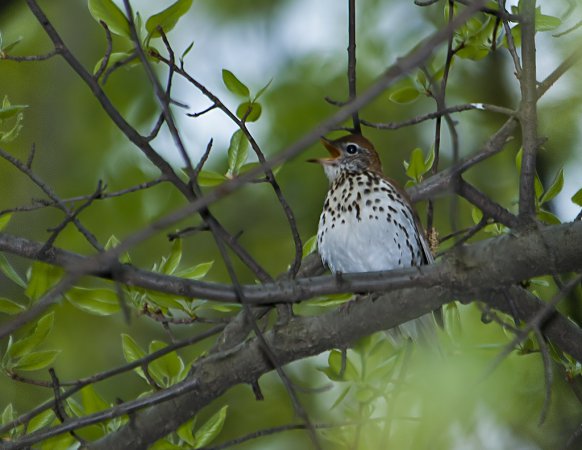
368,223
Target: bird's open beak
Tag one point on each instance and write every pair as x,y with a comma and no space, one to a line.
331,148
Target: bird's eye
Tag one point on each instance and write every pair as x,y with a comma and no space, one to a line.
351,149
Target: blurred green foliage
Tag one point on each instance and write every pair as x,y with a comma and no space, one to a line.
294,67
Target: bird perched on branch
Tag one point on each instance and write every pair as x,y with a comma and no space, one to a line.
368,223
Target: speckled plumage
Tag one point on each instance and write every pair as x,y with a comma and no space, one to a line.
367,223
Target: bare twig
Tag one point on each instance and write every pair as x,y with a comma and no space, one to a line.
352,85
528,113
108,50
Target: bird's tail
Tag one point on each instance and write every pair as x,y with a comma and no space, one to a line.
423,330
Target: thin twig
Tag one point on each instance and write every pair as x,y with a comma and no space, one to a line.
108,50
352,85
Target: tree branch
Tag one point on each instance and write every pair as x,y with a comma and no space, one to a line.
528,113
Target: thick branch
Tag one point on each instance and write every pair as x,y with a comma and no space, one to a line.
487,264
300,338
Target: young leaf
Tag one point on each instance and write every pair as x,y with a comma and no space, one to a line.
168,18
186,51
10,135
209,178
101,302
108,12
555,188
249,111
6,48
10,111
404,95
41,278
8,415
36,360
416,167
211,429
548,217
42,420
9,271
173,261
4,220
92,402
167,368
262,90
546,23
476,215
196,272
233,84
36,337
310,245
9,307
185,432
577,197
238,152
131,349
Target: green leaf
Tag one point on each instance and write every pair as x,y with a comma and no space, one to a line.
238,152
11,111
262,90
416,167
186,51
101,302
165,444
10,135
173,261
41,278
92,402
184,432
474,52
8,415
211,428
9,271
168,18
577,197
335,363
6,48
516,35
555,188
167,369
196,272
113,242
233,84
131,350
476,215
36,360
548,217
538,187
404,95
310,245
4,220
331,300
108,12
209,178
250,111
42,420
164,301
36,337
9,307
544,22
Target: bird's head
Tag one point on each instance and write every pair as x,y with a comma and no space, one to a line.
352,153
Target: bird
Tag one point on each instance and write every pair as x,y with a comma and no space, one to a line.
368,222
